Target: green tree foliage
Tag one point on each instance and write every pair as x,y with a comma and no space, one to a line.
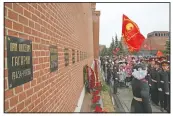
116,42
167,50
111,48
121,51
104,52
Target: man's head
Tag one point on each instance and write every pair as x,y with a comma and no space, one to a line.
140,71
152,61
165,65
162,58
157,64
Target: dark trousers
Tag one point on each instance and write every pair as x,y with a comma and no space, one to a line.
108,77
104,68
167,102
138,107
154,93
115,86
162,99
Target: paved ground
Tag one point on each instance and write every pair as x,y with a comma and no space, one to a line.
125,96
86,106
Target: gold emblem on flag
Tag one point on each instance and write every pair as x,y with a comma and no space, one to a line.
129,26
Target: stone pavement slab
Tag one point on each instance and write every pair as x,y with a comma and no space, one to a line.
125,95
86,106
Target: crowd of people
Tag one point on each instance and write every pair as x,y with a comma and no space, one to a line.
149,78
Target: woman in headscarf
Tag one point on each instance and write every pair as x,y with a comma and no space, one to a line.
122,74
128,70
140,89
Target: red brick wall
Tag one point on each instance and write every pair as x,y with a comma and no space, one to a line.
66,25
96,22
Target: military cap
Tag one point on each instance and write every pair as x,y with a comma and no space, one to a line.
157,62
140,65
125,62
162,58
151,59
133,57
120,62
157,59
164,63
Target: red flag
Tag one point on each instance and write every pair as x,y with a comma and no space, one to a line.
131,34
159,53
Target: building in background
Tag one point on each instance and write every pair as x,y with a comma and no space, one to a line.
101,47
155,41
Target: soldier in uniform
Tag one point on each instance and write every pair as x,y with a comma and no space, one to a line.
140,89
168,96
164,85
109,71
150,72
104,64
155,76
115,78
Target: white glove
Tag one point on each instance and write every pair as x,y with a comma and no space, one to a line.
167,93
149,84
160,89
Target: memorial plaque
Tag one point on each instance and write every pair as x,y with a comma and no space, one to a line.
73,56
66,56
19,57
77,56
84,55
80,56
53,58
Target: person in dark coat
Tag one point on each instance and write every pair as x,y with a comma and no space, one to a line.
109,71
164,86
168,96
155,76
140,89
150,72
115,78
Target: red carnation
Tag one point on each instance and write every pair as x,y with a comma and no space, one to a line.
98,109
98,84
96,92
95,99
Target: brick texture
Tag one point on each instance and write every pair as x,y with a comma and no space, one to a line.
65,25
96,23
